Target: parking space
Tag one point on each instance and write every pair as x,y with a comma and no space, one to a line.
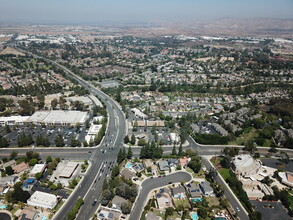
271,210
50,131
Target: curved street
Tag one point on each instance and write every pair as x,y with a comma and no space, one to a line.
151,184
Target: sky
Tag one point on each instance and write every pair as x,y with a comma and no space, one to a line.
138,11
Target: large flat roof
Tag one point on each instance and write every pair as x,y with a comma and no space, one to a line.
59,116
68,169
38,168
43,198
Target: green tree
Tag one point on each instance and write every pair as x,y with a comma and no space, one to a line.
126,207
180,151
126,139
59,140
33,162
48,159
132,140
13,155
174,152
9,171
129,153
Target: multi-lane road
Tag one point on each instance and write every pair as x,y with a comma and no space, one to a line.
103,157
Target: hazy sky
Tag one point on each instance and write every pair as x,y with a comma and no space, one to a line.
126,11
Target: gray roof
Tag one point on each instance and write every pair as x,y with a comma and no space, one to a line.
117,201
177,190
206,186
163,165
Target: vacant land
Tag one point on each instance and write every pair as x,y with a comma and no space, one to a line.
11,51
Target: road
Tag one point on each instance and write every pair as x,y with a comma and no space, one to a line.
235,203
151,184
91,186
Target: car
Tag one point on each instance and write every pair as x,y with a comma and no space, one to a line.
95,202
170,182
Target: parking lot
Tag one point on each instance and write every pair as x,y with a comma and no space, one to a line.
68,132
271,210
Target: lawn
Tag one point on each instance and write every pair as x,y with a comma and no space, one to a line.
183,202
224,173
247,135
213,201
200,174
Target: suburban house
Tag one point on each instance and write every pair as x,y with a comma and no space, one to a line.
184,161
179,192
164,199
117,202
8,180
20,167
163,165
194,190
206,188
127,174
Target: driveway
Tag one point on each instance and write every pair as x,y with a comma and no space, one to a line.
151,184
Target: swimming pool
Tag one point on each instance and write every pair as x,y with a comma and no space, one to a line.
220,218
194,216
3,206
128,165
196,199
44,218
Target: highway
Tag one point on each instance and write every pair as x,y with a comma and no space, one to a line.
91,186
151,184
103,157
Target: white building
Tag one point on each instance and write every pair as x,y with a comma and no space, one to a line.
244,164
174,138
43,200
13,120
38,168
139,114
59,117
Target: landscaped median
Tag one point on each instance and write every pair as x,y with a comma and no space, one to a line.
72,214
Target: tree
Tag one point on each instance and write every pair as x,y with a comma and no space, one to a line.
38,175
169,212
129,153
132,140
7,129
59,141
3,142
141,142
9,171
126,207
180,151
126,139
115,171
120,156
174,152
48,159
250,146
54,103
13,155
33,162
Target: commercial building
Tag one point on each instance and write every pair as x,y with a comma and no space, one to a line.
59,117
13,120
244,164
38,168
287,178
68,170
43,200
